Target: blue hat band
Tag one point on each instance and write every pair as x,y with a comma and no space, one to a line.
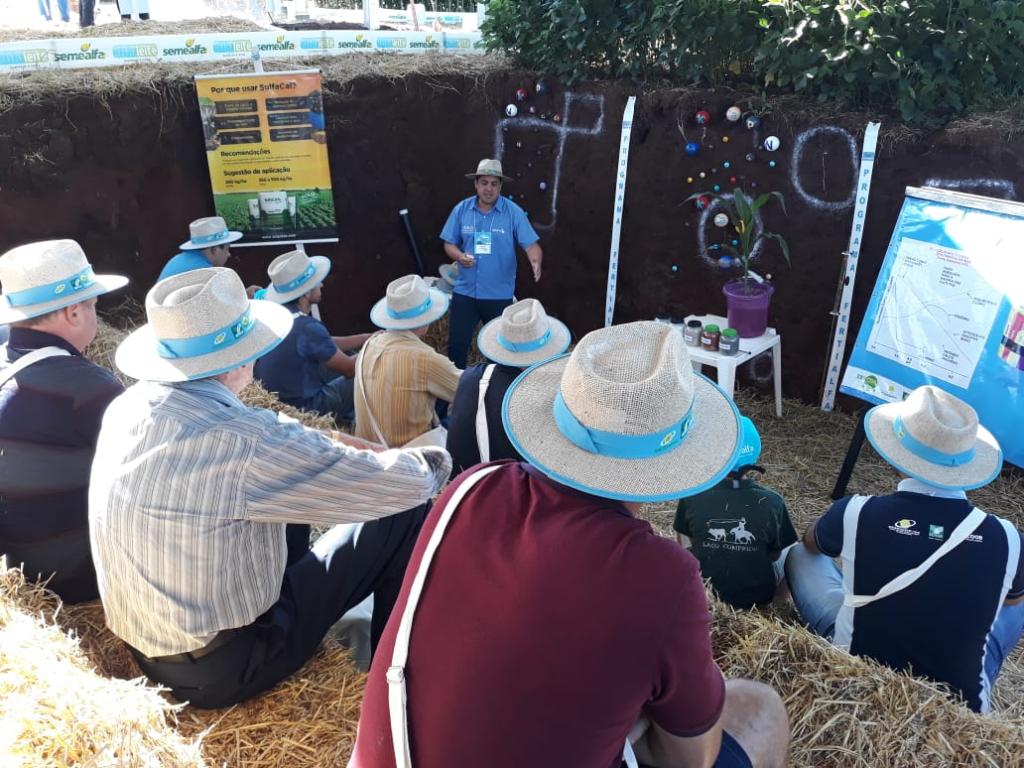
407,313
293,284
205,239
615,444
926,452
197,346
524,346
51,291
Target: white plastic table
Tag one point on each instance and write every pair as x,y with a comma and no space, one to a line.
726,365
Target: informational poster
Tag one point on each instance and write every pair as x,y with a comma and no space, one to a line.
948,310
266,145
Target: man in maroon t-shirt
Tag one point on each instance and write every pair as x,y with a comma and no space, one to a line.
554,627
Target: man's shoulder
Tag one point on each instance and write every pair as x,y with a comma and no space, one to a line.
512,207
79,374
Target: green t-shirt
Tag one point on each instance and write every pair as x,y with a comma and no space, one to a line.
732,530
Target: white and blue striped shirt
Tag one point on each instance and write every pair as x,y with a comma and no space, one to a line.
188,500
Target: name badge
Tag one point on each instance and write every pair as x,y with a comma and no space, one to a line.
482,243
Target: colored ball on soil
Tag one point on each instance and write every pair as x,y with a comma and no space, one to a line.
725,139
736,261
557,118
754,185
703,117
543,185
732,114
519,145
715,246
732,179
702,202
772,143
691,148
522,94
511,110
726,164
675,268
703,175
750,157
541,87
717,188
724,262
721,219
771,163
734,242
689,179
753,122
533,110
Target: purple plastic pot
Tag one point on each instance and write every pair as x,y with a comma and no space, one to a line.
747,303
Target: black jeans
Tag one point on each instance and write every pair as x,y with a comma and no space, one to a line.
466,312
344,567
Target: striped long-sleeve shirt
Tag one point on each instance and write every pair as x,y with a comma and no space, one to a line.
189,496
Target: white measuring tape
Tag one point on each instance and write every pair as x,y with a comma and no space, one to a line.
835,362
620,197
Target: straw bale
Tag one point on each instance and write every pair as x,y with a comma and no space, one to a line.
55,710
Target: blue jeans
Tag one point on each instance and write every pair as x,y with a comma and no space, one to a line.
338,397
62,8
816,584
466,312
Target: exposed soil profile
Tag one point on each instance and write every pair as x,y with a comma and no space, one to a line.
125,174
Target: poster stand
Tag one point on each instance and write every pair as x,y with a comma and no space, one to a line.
852,454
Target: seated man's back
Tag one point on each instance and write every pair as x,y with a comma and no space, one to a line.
598,619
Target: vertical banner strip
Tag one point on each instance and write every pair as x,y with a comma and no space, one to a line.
620,197
835,361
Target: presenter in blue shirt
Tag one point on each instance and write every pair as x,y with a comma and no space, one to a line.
481,234
209,245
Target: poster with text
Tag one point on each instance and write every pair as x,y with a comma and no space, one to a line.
266,145
948,309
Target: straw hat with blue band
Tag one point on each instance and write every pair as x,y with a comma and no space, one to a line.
209,232
750,444
624,417
201,324
936,438
293,274
46,276
409,303
524,334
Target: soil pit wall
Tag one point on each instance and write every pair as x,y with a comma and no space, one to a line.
125,171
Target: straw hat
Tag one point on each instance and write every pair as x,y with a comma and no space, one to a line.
409,303
523,335
208,232
624,417
936,438
40,277
488,167
201,324
449,272
293,274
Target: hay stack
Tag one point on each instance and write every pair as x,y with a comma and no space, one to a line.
55,710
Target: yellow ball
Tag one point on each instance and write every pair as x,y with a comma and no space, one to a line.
725,139
689,179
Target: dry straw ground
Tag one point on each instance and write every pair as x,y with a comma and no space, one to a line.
845,712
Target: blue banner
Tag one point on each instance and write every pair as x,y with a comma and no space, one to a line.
948,309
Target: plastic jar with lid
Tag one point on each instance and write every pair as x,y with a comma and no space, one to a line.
691,332
709,337
729,343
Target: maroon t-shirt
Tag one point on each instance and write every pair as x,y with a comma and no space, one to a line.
549,620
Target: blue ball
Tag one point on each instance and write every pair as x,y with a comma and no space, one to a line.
726,164
736,262
771,163
715,246
691,148
735,242
717,188
725,262
675,268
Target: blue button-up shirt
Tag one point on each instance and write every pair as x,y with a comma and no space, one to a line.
493,276
185,261
292,368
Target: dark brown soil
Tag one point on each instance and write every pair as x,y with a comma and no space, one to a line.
125,175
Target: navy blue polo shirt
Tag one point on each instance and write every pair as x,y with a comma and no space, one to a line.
493,276
50,415
462,443
292,368
937,626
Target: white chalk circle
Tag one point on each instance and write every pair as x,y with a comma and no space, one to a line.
733,114
511,110
843,137
721,219
708,215
772,143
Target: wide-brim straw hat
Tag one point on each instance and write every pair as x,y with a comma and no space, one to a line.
409,303
201,324
624,417
522,335
293,274
209,232
936,438
489,167
46,276
449,273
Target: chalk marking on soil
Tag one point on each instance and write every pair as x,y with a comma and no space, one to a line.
833,206
702,237
1005,187
563,131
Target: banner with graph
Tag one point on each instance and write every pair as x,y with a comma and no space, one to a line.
948,309
266,143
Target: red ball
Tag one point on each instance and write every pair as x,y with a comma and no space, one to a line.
702,202
557,118
522,94
732,179
703,117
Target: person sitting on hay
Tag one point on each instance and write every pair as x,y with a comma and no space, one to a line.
399,378
293,368
209,245
52,401
541,623
738,531
929,582
192,491
522,336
